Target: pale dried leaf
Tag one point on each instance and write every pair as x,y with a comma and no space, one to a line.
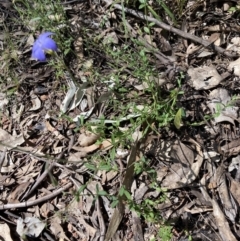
7,164
192,48
78,98
77,157
128,117
222,223
46,209
30,226
184,170
205,53
236,41
87,138
36,102
3,100
205,77
110,175
69,96
110,38
83,104
5,232
235,67
8,141
234,164
223,190
235,190
83,115
142,86
218,104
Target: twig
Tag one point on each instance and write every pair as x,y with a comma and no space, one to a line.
39,180
47,171
2,157
37,201
167,27
101,222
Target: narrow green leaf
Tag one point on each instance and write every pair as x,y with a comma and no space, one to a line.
102,193
90,167
146,29
128,195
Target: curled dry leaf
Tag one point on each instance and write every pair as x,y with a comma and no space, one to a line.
84,151
53,130
69,96
36,102
87,138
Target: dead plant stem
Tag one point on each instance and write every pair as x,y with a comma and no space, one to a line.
37,201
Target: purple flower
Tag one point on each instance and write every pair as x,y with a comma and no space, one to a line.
42,45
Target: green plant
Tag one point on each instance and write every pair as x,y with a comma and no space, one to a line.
234,9
165,233
124,111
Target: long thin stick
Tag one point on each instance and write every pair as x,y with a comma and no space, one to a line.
167,27
37,201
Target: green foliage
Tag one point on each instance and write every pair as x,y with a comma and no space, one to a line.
234,9
155,108
165,233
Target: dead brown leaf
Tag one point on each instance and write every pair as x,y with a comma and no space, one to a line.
231,148
87,138
57,230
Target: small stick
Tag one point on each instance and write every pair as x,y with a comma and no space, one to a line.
37,201
101,222
42,177
39,180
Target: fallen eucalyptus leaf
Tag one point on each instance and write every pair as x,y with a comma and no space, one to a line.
30,226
